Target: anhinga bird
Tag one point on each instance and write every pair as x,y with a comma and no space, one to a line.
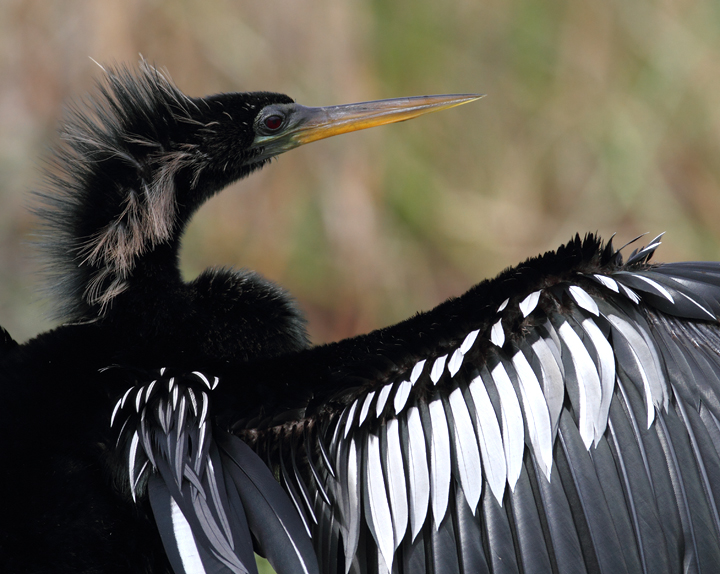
563,417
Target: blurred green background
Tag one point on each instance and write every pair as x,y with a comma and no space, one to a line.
599,116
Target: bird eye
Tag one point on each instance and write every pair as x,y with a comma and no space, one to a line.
273,122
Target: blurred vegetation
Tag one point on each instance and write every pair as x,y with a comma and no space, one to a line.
598,117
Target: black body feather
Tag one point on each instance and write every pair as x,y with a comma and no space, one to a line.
562,417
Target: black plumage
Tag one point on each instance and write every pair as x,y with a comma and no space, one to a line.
562,417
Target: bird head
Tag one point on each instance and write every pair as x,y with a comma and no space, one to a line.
239,132
142,157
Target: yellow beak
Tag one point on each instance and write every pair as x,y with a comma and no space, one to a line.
300,124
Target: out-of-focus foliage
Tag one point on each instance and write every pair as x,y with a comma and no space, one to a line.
599,116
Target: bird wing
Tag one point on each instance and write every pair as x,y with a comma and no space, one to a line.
561,418
212,497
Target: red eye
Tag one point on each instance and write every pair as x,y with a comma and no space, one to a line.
273,122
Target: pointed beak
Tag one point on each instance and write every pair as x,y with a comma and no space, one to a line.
320,123
300,124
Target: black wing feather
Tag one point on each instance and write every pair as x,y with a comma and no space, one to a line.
624,515
655,556
443,551
271,518
413,554
502,557
601,542
468,530
530,538
706,457
564,548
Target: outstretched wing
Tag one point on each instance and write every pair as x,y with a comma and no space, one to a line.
561,418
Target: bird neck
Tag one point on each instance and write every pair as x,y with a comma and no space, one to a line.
108,245
220,315
133,168
123,185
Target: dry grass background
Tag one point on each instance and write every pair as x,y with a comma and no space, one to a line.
600,116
